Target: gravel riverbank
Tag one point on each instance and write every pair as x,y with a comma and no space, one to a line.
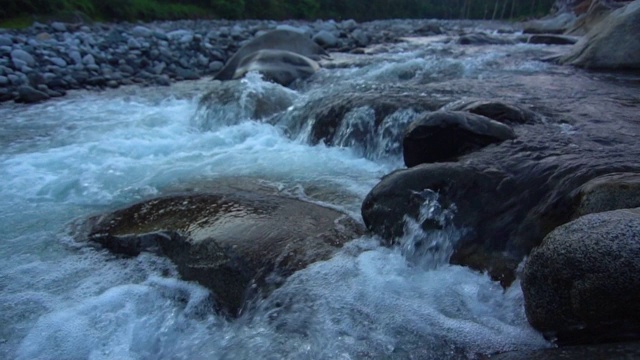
45,61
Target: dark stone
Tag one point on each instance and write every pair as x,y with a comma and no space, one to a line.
617,351
273,40
581,285
505,113
27,94
483,39
187,74
605,193
237,243
446,135
508,196
550,39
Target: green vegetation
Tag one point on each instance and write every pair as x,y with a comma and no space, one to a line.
361,10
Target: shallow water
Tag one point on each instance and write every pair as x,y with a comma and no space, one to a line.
94,152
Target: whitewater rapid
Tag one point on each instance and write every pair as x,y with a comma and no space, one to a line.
91,153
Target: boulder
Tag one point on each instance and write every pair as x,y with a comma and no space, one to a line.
606,193
612,44
325,39
590,13
27,94
274,40
508,196
509,114
280,66
446,135
239,244
581,284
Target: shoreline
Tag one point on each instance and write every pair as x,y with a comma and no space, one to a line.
46,61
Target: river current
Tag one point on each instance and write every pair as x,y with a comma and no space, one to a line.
94,152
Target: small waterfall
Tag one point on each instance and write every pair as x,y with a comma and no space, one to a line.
429,240
233,102
360,132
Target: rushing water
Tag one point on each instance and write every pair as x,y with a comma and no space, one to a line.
94,152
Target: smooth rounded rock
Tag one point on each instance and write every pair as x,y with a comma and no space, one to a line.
605,193
23,56
447,135
325,39
27,94
581,285
239,244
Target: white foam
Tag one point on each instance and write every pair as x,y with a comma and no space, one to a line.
91,153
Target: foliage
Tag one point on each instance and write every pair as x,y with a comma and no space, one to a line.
360,10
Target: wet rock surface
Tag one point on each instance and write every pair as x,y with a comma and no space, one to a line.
510,195
447,135
606,193
612,43
581,284
239,244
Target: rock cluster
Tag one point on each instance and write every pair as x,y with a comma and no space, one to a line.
46,60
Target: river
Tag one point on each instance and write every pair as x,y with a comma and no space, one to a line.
94,152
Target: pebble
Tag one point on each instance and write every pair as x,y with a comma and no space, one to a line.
23,56
110,55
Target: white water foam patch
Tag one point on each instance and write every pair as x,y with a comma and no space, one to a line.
371,304
379,305
49,275
432,246
233,102
380,142
133,155
125,322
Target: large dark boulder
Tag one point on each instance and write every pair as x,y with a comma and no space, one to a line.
239,244
446,135
612,44
581,285
508,196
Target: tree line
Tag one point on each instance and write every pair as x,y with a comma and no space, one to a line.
360,10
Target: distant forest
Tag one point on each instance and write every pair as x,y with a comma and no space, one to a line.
360,10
